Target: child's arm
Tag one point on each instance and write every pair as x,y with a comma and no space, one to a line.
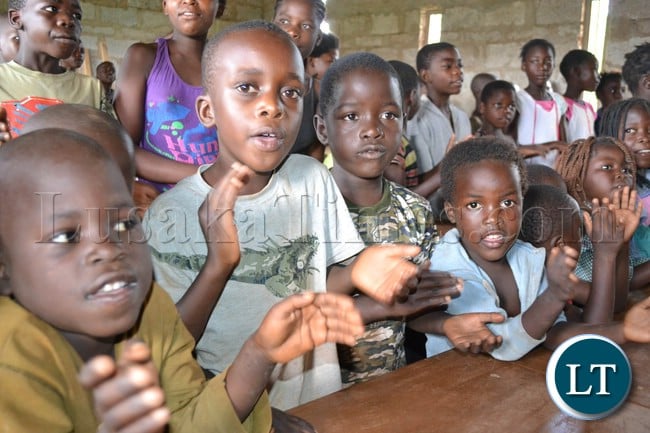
4,126
607,239
126,394
382,272
292,327
467,332
218,225
634,328
130,94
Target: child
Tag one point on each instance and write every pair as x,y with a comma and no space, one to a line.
8,40
552,218
156,94
598,169
541,112
580,71
301,19
497,109
636,71
292,222
76,59
502,275
34,79
99,272
105,72
440,67
629,121
538,174
361,121
321,58
610,89
476,86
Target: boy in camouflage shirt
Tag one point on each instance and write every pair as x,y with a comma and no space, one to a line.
361,120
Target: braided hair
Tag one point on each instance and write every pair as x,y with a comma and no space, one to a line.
574,162
612,122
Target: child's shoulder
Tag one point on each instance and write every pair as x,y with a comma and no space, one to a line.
297,165
408,197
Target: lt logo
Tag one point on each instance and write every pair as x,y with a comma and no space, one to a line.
588,377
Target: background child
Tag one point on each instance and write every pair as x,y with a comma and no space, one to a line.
321,58
501,274
610,89
636,70
497,110
476,86
301,19
361,121
156,94
8,39
580,71
76,59
538,174
105,300
105,72
35,80
603,169
541,112
440,68
284,216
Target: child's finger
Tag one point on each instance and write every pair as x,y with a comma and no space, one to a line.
97,370
135,408
152,422
135,351
130,381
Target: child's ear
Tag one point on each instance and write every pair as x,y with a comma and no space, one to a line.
321,130
451,212
15,19
204,111
481,108
424,75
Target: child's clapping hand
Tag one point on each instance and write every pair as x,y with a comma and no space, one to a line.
560,265
126,393
469,332
603,228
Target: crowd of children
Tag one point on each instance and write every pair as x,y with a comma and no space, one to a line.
259,279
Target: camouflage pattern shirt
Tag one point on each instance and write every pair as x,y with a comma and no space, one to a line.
401,216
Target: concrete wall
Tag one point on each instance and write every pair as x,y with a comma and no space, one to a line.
488,33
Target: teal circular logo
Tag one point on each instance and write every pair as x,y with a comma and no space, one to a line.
588,377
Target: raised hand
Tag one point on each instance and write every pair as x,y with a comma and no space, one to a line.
628,210
605,232
126,394
468,332
143,195
560,265
304,321
636,325
216,216
384,272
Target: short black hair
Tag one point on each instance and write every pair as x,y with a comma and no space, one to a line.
612,120
636,65
327,43
496,86
426,53
408,76
534,43
606,78
476,150
540,174
16,4
318,5
574,59
545,213
208,61
345,65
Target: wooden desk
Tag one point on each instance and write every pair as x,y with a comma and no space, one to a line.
462,393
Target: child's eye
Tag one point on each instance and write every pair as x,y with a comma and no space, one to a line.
473,205
508,203
77,16
126,225
50,8
65,237
292,93
351,116
283,21
630,131
245,88
606,167
390,115
307,26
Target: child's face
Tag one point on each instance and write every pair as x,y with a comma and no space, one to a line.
364,125
486,209
106,73
75,61
298,18
317,66
588,75
48,26
606,172
611,92
499,110
191,18
538,65
254,99
77,259
636,135
8,41
445,72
